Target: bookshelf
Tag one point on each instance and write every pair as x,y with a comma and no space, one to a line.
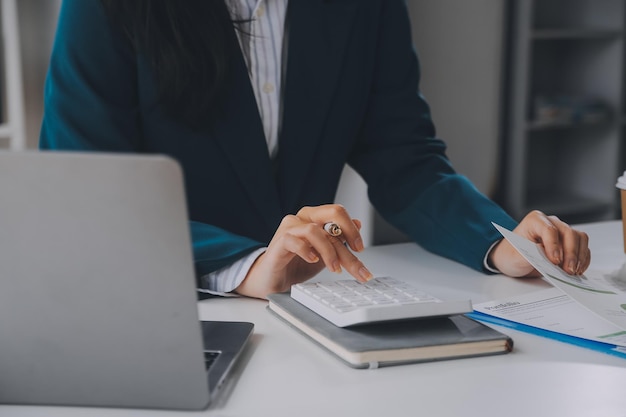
565,127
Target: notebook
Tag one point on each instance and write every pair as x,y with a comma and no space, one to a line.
373,345
97,287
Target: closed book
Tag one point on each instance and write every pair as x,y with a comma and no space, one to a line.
394,342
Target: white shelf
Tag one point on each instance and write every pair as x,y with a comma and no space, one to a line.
569,205
539,126
560,49
575,34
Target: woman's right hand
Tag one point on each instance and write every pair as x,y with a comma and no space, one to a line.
301,248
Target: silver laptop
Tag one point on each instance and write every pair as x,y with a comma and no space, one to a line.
97,290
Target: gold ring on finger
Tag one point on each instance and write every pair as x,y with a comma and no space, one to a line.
332,229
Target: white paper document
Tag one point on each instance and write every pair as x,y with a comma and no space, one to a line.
590,306
552,309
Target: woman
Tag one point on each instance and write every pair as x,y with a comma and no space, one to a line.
263,103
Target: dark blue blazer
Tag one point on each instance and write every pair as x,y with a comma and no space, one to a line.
350,96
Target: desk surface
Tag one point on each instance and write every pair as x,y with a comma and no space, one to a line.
284,374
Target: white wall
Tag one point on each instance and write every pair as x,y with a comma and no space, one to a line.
460,44
37,20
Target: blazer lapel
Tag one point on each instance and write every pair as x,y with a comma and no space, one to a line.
318,33
241,136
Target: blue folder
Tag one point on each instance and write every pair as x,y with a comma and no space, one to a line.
607,348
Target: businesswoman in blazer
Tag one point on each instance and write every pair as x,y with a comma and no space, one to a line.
263,102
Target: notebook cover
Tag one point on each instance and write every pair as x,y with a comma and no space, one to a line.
394,342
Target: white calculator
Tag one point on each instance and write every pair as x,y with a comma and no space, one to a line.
349,302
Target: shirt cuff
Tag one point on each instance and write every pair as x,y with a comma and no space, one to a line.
486,264
223,281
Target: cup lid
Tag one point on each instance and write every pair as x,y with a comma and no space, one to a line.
621,182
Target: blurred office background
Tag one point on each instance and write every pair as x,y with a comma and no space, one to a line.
528,94
37,24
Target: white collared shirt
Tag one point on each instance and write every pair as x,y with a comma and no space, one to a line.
261,41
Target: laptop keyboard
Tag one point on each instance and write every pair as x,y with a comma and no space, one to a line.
210,356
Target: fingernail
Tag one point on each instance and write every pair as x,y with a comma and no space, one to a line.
571,265
336,267
313,257
557,255
578,271
358,244
365,274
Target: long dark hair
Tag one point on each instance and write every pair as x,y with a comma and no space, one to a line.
188,44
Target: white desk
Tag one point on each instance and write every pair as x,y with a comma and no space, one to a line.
284,374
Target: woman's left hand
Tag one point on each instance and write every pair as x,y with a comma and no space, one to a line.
563,245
